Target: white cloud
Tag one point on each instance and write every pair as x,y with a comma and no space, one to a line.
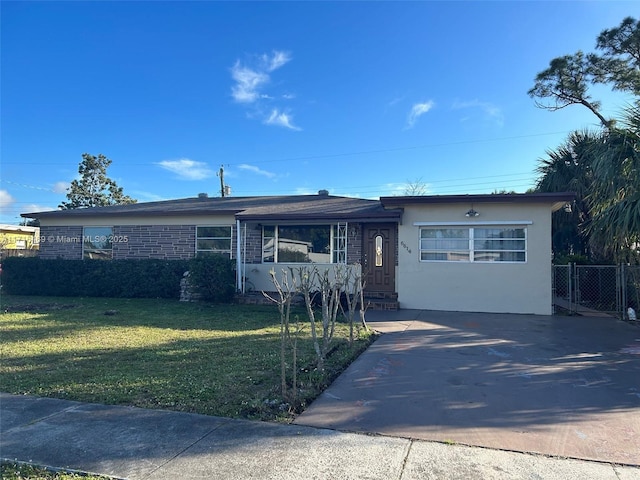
60,187
491,111
248,83
417,111
256,170
187,169
281,119
10,209
34,207
144,196
6,199
305,191
393,189
395,101
251,79
278,59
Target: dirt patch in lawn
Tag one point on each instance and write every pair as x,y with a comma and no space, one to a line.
38,307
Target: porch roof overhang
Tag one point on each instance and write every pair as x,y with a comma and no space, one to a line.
319,209
384,216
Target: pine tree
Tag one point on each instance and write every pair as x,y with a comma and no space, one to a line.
94,188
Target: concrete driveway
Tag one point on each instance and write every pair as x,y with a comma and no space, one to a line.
564,386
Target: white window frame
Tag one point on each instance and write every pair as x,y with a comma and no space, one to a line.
227,252
337,242
471,228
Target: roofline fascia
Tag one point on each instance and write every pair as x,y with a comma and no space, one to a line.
546,197
82,213
305,217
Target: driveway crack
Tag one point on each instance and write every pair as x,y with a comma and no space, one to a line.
35,421
405,459
196,441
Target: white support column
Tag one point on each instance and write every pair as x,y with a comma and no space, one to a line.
238,257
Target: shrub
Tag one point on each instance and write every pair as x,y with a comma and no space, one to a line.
571,258
148,278
213,277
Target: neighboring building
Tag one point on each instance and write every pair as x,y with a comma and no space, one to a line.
488,253
17,238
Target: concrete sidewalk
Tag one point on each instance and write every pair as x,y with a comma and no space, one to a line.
135,443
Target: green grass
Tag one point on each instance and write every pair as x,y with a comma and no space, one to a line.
192,357
21,471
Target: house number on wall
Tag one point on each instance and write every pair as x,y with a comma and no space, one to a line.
405,246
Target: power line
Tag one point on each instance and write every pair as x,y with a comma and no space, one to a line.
510,180
377,189
24,185
398,149
341,154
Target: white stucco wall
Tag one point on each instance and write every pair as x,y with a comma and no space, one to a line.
477,287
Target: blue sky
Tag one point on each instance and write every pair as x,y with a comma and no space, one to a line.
359,98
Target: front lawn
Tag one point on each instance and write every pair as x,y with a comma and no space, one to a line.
194,357
22,471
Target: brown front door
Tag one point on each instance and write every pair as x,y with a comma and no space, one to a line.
378,259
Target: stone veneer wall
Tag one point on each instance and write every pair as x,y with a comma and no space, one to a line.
165,242
253,252
61,242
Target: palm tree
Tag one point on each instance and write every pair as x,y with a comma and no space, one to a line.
615,193
568,169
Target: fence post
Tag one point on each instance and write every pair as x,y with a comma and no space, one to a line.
572,297
622,290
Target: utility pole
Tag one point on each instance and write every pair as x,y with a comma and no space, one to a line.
221,175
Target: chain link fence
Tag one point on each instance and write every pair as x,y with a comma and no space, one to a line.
605,289
631,290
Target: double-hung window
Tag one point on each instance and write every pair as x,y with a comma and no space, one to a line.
304,243
473,244
213,239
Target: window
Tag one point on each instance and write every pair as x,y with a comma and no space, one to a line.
210,239
501,244
339,254
304,243
448,244
378,261
97,243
